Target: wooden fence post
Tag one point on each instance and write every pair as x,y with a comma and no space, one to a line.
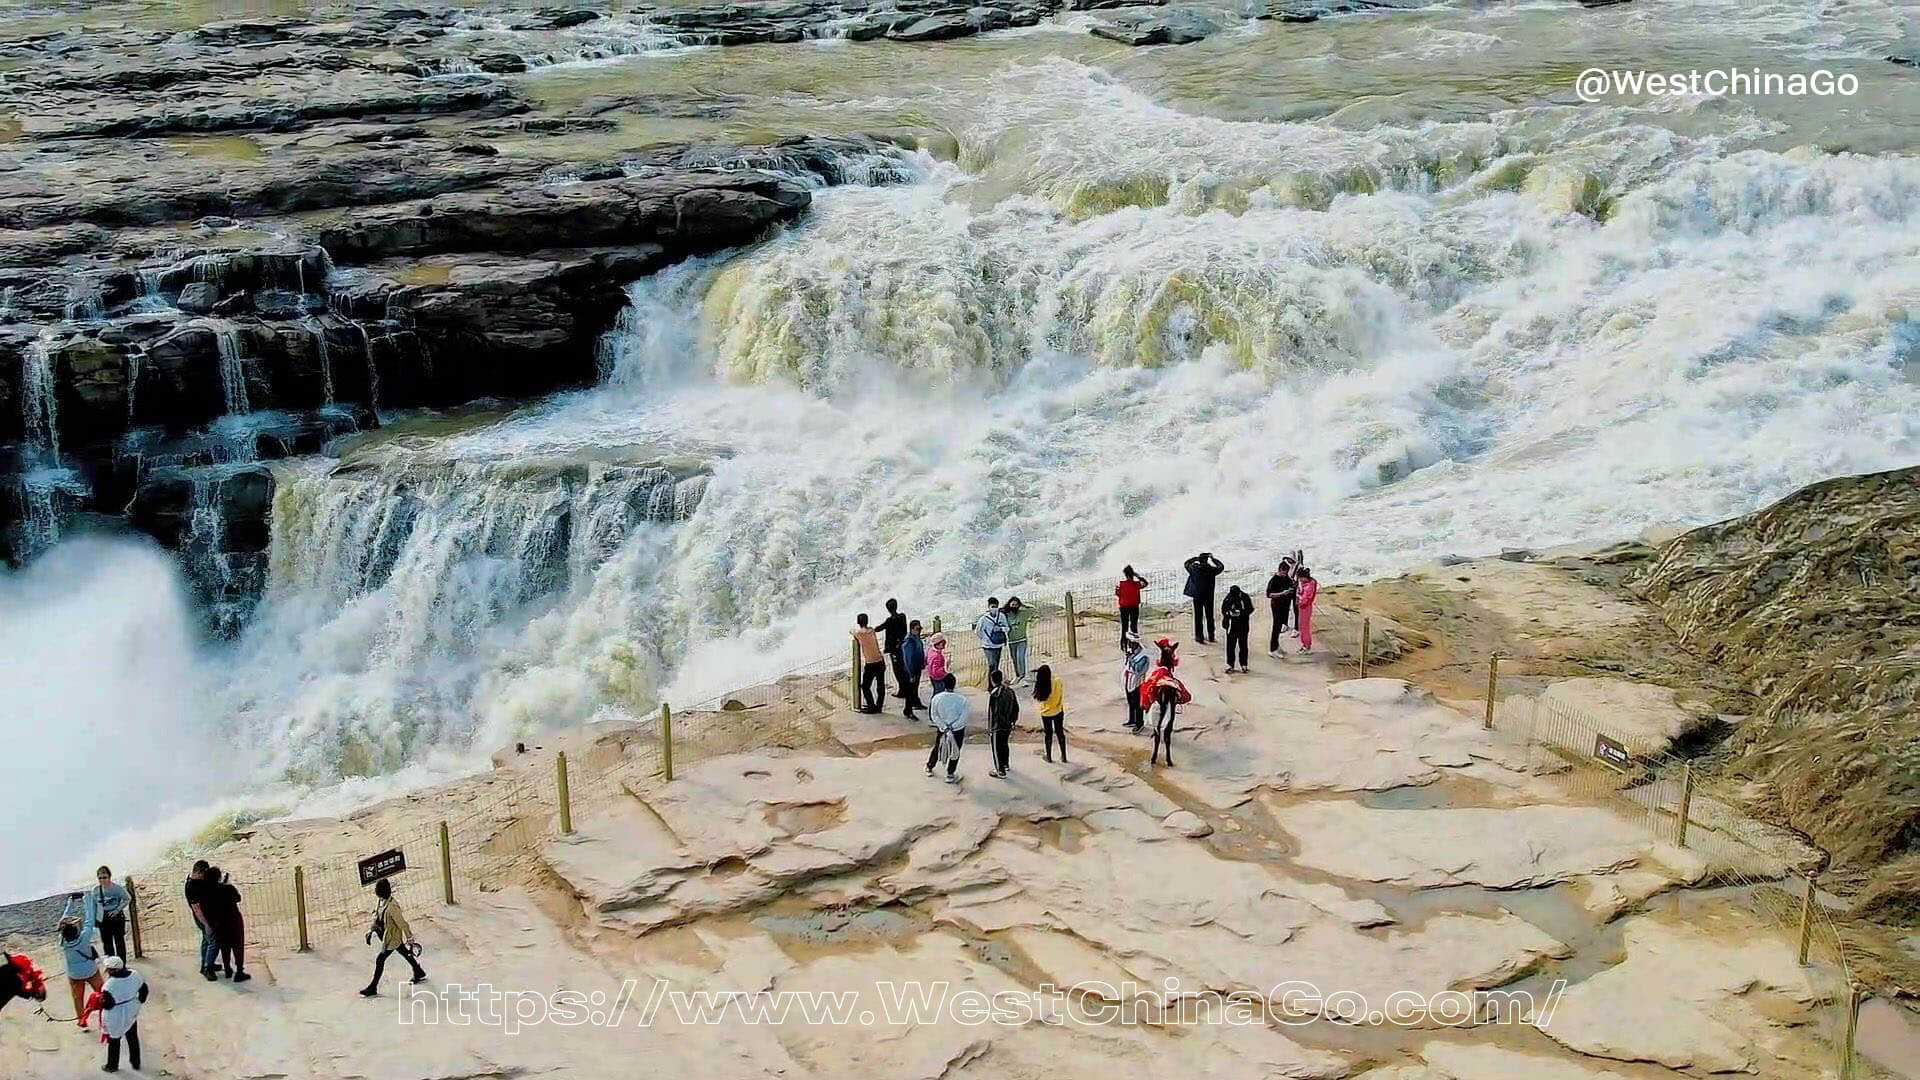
1806,921
566,801
1855,996
1366,639
1073,631
300,905
1493,684
446,864
666,738
936,624
133,917
1686,802
853,673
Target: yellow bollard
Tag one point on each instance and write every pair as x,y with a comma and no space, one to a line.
1806,921
300,904
1686,803
1854,999
446,864
1073,631
666,738
133,918
566,801
1493,683
1366,638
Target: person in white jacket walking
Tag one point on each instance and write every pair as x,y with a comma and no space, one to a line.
950,711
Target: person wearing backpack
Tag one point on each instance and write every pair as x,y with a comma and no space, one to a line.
1237,612
390,926
993,632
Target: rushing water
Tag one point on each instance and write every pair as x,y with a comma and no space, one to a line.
1381,288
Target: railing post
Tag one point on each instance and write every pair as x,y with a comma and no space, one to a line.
853,673
566,801
666,738
1686,802
1806,921
1366,638
300,905
446,864
1073,631
1855,995
936,624
1493,684
133,918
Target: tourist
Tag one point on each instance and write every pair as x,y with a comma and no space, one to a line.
992,630
873,666
390,926
220,902
1003,711
893,634
1127,593
936,661
83,960
1279,602
1237,612
107,905
1169,653
1202,571
950,710
1305,589
913,663
1164,689
209,945
120,1001
1051,693
1134,664
1017,618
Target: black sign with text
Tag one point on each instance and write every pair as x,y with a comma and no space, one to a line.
385,864
1611,752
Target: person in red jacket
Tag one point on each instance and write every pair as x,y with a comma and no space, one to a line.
1128,595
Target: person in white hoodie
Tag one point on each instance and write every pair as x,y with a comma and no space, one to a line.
120,1002
950,711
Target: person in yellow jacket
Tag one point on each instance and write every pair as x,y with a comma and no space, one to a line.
1051,693
390,926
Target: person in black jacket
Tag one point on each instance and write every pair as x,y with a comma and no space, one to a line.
1280,602
1202,571
1003,710
220,903
1237,612
893,634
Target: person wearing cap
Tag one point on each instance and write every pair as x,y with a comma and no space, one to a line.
83,960
1134,665
120,1002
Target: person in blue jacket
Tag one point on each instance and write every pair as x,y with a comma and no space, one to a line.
83,959
107,906
913,665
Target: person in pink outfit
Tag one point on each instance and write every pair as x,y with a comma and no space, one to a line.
1304,590
937,658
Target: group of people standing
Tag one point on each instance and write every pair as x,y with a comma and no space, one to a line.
93,942
1291,592
1002,631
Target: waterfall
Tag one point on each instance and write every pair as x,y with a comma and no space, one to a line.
38,398
233,372
319,331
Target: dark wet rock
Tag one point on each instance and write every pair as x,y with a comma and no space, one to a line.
935,28
1170,28
1911,60
284,104
687,213
198,298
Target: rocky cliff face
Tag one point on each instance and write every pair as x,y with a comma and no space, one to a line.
175,311
1814,602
